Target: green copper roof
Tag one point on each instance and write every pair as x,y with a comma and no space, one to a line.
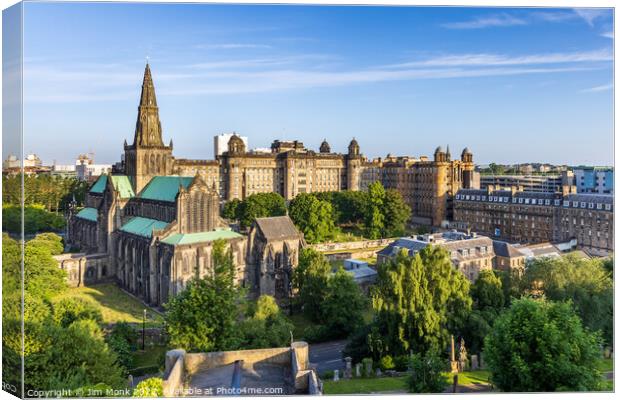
99,185
189,238
165,188
88,213
123,186
143,226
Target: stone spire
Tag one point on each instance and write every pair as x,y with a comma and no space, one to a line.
148,126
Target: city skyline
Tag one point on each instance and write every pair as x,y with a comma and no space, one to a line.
420,76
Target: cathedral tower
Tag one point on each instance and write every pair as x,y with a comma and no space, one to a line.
147,156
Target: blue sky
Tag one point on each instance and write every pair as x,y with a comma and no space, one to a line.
514,85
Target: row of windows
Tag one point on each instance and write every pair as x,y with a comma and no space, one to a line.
540,202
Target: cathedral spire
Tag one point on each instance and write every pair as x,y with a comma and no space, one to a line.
148,126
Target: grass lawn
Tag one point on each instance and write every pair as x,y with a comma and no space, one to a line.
397,384
116,305
472,377
365,385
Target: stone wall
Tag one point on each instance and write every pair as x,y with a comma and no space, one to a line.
356,246
195,362
174,375
85,269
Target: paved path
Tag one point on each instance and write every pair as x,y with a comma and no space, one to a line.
328,355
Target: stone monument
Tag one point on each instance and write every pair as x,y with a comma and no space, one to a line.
454,368
462,356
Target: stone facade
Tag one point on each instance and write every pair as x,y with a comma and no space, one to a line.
151,228
289,169
528,217
427,186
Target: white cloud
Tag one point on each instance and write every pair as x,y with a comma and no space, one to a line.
601,88
500,59
500,20
609,35
591,14
233,46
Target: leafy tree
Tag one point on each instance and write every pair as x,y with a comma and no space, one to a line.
151,387
427,373
310,280
53,192
66,310
70,357
231,209
349,205
36,219
418,300
260,205
42,277
487,293
120,341
313,217
585,282
265,327
374,218
51,241
202,317
344,305
541,346
396,213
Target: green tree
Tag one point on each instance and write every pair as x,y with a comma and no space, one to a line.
310,280
427,373
260,205
265,327
344,305
231,209
42,277
374,218
541,346
396,213
202,317
66,310
585,282
487,293
51,241
418,300
313,217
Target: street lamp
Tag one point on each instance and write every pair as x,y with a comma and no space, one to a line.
143,326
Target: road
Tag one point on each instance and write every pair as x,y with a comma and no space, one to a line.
328,355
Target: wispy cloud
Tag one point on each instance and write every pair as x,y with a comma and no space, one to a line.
233,46
499,59
591,14
500,20
601,88
609,34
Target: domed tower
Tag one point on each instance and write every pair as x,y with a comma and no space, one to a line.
236,145
467,163
325,147
354,166
354,148
439,155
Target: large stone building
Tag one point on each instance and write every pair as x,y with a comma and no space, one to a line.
468,252
152,226
427,186
289,169
529,217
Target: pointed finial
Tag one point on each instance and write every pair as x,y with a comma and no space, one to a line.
147,60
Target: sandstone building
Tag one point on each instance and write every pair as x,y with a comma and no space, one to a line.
532,217
427,186
151,227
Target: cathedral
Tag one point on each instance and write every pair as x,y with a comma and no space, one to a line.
151,226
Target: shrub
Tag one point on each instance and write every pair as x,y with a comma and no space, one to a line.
401,363
152,387
386,363
427,373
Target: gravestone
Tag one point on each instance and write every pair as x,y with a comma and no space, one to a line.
358,370
474,362
348,372
368,369
482,364
378,372
462,356
336,375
